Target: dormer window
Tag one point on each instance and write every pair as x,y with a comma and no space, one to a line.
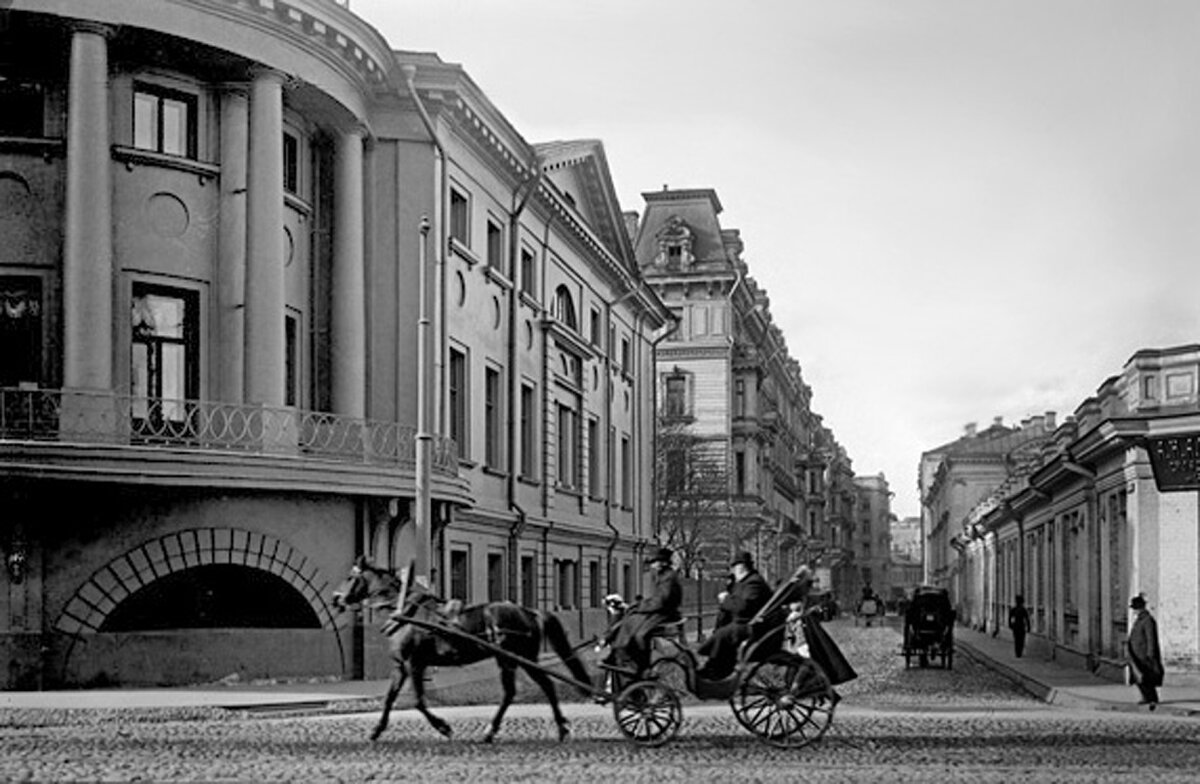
674,244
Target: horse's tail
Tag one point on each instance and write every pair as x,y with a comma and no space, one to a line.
556,635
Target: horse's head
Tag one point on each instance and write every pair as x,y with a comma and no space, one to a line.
366,584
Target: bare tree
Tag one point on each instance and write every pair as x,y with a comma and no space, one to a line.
694,510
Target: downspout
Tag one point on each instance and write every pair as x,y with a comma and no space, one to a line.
608,463
425,396
545,571
666,331
514,382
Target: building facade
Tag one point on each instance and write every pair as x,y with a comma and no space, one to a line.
1107,508
725,375
273,295
872,535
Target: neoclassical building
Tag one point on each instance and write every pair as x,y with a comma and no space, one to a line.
1106,507
273,294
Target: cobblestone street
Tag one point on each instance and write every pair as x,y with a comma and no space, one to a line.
966,724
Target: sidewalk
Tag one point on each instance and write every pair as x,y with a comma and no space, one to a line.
1070,687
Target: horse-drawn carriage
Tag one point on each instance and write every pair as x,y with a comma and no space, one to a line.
782,697
929,628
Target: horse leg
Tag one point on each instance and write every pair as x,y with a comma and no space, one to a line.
543,680
439,724
508,680
399,675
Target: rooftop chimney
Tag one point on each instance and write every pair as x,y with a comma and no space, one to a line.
998,421
1048,421
969,429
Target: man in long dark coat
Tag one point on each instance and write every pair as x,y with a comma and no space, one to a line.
1144,654
739,605
658,607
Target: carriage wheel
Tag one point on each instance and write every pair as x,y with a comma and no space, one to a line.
786,701
648,712
671,672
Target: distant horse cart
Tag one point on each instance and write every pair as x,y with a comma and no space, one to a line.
929,628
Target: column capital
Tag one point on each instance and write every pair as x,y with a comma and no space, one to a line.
106,31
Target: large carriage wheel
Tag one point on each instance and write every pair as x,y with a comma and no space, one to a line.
648,712
786,700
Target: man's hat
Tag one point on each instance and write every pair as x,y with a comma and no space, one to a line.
743,558
1137,603
664,554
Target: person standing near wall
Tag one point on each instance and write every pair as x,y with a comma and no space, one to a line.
1145,657
1018,624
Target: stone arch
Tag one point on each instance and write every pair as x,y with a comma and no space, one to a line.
108,586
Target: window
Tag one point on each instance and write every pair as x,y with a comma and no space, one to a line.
493,418
460,575
676,460
594,467
495,577
164,121
568,441
564,307
567,597
626,358
739,398
495,248
20,330
460,218
291,163
675,400
528,431
22,108
458,400
165,353
594,595
291,360
528,273
528,581
626,472
627,582
597,333
611,453
739,472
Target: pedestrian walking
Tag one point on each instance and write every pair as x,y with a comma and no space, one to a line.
1018,624
1145,658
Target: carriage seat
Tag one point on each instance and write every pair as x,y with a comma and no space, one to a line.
670,630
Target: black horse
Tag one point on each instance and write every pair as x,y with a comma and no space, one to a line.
517,630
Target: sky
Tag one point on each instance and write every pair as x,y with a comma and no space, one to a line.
960,210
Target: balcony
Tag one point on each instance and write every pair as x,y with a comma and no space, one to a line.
67,417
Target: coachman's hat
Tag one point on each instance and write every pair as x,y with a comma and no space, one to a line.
664,554
1137,603
743,558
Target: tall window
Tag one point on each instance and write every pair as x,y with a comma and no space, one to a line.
165,353
739,472
597,331
164,121
291,163
528,581
567,596
626,472
528,273
626,356
495,577
460,575
291,360
594,467
460,218
676,460
594,596
493,418
528,432
458,400
495,247
564,307
20,330
568,445
675,400
739,398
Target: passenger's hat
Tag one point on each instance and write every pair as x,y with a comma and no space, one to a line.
1137,603
664,554
743,558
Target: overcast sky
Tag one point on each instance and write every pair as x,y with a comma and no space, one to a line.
960,209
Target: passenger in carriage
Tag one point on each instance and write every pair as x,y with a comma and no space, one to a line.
631,638
746,596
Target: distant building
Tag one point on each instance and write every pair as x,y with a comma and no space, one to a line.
906,539
872,532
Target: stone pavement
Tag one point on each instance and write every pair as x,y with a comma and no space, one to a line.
1048,680
1067,686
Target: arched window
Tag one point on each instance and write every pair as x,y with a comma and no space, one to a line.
564,307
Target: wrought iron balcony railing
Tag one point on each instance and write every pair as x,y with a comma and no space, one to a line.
71,416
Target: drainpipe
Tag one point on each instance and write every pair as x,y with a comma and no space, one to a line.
514,377
665,333
608,473
425,398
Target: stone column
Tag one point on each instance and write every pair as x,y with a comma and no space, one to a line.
264,293
87,248
348,339
231,254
